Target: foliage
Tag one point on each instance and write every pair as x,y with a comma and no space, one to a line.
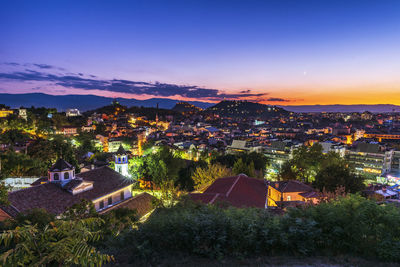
83,209
49,150
3,194
60,242
241,167
18,164
258,162
347,225
304,165
325,171
333,174
203,177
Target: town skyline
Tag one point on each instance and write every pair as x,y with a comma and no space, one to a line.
279,53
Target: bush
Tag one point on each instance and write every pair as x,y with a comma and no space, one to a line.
350,225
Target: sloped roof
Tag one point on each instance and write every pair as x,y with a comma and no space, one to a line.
142,203
291,186
239,191
53,198
61,165
120,151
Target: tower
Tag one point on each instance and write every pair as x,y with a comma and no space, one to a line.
121,161
61,172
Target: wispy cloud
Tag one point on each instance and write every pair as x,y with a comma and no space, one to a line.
278,99
43,73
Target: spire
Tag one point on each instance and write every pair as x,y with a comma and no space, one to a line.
121,150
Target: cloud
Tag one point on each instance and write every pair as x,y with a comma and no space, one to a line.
42,73
277,99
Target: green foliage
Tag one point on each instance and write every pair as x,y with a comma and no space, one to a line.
83,209
247,163
60,242
3,194
350,225
241,167
49,150
325,171
18,164
336,173
205,176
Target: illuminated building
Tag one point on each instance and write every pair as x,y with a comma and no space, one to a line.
289,193
104,187
370,158
121,161
5,112
279,152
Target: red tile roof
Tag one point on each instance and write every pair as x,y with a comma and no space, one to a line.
239,191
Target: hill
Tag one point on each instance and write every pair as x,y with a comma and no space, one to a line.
238,108
185,107
84,102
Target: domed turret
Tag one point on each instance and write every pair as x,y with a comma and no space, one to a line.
61,171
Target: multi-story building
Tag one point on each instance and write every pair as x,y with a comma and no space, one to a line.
370,158
279,152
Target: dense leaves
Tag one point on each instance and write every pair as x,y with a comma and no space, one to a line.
350,225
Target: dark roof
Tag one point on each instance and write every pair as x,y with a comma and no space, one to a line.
53,198
142,203
239,191
61,165
367,148
291,186
120,151
72,184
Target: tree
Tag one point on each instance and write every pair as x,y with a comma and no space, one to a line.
205,176
338,174
241,167
304,165
60,242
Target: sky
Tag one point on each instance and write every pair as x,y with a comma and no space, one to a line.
273,51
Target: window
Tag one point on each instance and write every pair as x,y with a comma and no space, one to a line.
119,160
109,201
101,204
122,196
289,198
66,176
56,177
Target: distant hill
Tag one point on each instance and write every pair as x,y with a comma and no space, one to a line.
185,107
85,102
381,108
239,108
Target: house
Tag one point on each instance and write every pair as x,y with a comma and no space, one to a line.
103,186
242,146
239,191
289,193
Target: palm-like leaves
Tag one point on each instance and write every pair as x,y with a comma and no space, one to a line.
62,242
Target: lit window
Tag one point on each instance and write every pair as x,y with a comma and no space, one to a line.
289,198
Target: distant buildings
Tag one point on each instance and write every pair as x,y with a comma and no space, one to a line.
72,112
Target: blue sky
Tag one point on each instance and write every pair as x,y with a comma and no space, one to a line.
301,52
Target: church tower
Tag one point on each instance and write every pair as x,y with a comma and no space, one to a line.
121,161
61,172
